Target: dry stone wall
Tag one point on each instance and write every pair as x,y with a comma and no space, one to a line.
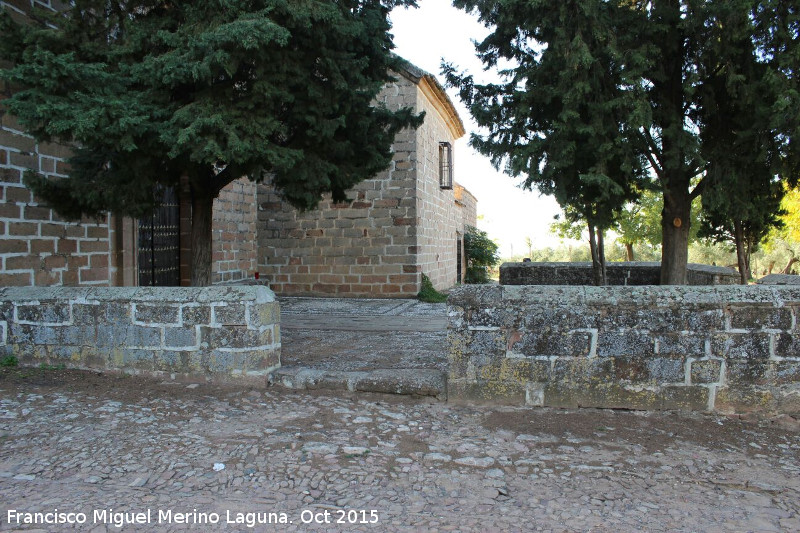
181,332
618,273
727,348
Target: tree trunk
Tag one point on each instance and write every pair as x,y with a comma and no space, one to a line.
675,222
601,253
788,269
741,259
202,210
771,267
629,252
598,256
670,114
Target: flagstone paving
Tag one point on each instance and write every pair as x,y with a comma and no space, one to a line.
81,442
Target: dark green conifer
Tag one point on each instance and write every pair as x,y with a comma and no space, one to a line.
151,91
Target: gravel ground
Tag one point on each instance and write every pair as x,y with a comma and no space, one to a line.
110,446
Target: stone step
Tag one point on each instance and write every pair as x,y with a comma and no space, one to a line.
404,381
364,323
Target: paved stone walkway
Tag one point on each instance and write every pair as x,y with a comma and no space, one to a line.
84,443
371,345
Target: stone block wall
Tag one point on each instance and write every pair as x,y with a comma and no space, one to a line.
233,233
37,247
727,348
439,217
365,247
780,279
618,273
469,206
181,332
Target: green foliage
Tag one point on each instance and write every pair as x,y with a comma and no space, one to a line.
46,366
557,117
640,222
215,90
428,294
9,361
481,253
592,88
741,196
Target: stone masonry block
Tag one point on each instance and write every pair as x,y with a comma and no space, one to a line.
601,395
180,337
784,372
741,345
555,343
745,398
135,358
265,314
177,361
260,360
706,371
128,335
685,398
86,314
744,372
193,315
44,312
625,342
78,335
537,318
754,318
700,319
680,344
787,345
235,338
653,369
485,317
523,370
569,370
33,334
231,315
116,312
156,314
486,346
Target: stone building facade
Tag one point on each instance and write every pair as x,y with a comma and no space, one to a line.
406,221
377,245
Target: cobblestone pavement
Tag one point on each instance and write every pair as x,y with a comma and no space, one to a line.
83,442
340,334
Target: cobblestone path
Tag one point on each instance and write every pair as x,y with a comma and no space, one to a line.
81,442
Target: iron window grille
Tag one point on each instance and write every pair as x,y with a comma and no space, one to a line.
445,165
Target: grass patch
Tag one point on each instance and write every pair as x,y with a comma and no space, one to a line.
9,361
428,294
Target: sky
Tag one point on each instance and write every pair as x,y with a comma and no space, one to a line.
435,31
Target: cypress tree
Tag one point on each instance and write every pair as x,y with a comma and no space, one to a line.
662,59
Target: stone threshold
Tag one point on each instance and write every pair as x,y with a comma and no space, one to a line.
402,381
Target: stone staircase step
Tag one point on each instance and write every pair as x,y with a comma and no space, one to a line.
403,381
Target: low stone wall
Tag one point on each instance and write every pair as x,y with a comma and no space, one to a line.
617,273
779,279
181,332
728,349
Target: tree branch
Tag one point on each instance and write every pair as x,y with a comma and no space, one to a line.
698,189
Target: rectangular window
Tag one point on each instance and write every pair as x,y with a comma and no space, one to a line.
445,165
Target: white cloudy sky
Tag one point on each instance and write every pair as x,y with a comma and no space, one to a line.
437,31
